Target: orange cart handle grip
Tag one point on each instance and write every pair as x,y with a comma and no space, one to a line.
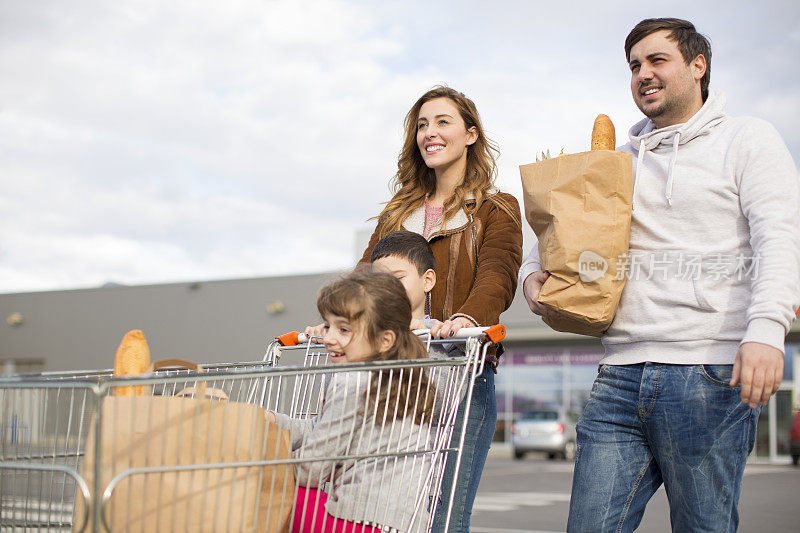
289,339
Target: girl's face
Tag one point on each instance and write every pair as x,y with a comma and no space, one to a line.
344,341
442,136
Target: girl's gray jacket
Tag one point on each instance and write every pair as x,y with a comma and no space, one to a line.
380,491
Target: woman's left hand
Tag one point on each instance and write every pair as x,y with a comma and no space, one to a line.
448,328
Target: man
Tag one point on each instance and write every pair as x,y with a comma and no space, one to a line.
713,279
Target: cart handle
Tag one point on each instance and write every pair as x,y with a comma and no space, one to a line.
494,333
293,338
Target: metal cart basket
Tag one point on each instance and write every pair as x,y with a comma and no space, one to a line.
197,450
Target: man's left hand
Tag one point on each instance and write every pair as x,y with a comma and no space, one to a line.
759,368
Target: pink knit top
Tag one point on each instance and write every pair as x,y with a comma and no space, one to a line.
433,217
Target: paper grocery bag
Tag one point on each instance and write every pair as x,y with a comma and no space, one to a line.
164,431
579,206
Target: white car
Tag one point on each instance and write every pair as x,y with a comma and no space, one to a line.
545,430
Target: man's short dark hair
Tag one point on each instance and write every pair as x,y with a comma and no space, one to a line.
689,41
406,244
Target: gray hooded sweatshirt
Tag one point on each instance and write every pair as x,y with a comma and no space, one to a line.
714,255
383,491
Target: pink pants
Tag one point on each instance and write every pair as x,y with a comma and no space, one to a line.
310,515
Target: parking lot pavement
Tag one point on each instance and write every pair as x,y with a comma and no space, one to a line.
532,496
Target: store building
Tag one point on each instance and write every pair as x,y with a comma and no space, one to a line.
234,320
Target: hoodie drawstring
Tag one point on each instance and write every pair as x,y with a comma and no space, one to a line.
670,178
639,159
645,133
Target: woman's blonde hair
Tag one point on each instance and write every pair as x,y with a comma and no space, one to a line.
414,180
375,303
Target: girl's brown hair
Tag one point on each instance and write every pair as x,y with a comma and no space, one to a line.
375,303
414,180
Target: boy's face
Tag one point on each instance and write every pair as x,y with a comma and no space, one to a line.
416,285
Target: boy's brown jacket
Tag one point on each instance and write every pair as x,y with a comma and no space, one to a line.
477,260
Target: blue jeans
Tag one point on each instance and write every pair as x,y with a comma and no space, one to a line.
651,423
481,426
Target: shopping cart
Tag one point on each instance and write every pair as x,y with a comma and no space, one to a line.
59,432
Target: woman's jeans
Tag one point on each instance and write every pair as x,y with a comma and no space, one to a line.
651,423
477,440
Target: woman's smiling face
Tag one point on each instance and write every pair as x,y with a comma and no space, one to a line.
442,136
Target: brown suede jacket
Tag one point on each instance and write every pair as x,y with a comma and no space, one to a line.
477,260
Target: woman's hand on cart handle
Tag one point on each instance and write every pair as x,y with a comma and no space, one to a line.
494,333
449,328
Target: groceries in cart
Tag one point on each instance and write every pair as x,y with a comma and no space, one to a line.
184,456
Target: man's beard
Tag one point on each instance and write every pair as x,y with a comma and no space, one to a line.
653,112
675,105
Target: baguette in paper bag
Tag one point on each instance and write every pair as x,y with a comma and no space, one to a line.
187,441
579,206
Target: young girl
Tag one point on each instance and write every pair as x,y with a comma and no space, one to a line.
445,192
366,318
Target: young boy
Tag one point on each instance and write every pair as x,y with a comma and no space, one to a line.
408,257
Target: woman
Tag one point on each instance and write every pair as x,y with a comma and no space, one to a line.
445,191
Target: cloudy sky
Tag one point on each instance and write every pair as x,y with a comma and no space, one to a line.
150,141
